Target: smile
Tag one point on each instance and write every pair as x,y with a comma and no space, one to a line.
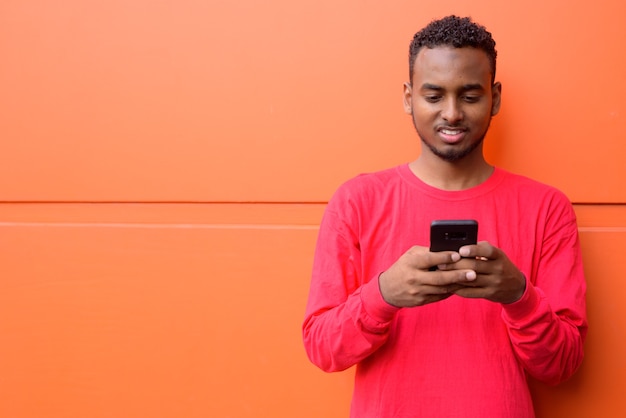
451,131
451,135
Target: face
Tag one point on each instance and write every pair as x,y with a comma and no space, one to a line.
452,100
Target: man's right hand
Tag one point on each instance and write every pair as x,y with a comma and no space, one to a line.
409,282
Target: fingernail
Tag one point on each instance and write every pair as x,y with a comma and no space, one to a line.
455,257
470,275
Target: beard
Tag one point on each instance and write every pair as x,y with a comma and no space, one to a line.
452,155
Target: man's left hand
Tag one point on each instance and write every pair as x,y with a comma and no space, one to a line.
497,278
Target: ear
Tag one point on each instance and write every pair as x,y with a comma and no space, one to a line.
407,98
496,98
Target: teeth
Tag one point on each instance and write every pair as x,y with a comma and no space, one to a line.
450,132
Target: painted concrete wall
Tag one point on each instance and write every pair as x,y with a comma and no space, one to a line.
164,166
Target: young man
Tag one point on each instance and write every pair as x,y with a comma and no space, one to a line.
457,340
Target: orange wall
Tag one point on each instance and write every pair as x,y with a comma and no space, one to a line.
164,166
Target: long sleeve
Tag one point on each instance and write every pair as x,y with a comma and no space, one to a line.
346,318
548,325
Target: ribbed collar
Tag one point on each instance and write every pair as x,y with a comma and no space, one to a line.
483,188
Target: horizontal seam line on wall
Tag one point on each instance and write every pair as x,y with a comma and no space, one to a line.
602,229
157,225
220,226
202,202
156,202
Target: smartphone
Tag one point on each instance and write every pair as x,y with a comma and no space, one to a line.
450,235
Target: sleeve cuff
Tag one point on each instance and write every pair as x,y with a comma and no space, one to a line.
525,306
374,304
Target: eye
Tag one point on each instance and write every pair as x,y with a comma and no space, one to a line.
432,98
470,98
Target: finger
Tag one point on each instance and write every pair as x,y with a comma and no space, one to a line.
471,292
483,250
479,265
422,258
443,278
441,258
442,290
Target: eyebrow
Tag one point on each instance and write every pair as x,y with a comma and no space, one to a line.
465,87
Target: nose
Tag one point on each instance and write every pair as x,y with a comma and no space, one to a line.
451,111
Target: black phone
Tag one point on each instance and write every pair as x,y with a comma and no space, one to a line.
450,235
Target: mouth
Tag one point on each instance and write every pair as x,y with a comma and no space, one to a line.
451,135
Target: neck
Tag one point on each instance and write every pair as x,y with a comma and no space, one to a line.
459,175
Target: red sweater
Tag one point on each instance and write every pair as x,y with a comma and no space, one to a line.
458,357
